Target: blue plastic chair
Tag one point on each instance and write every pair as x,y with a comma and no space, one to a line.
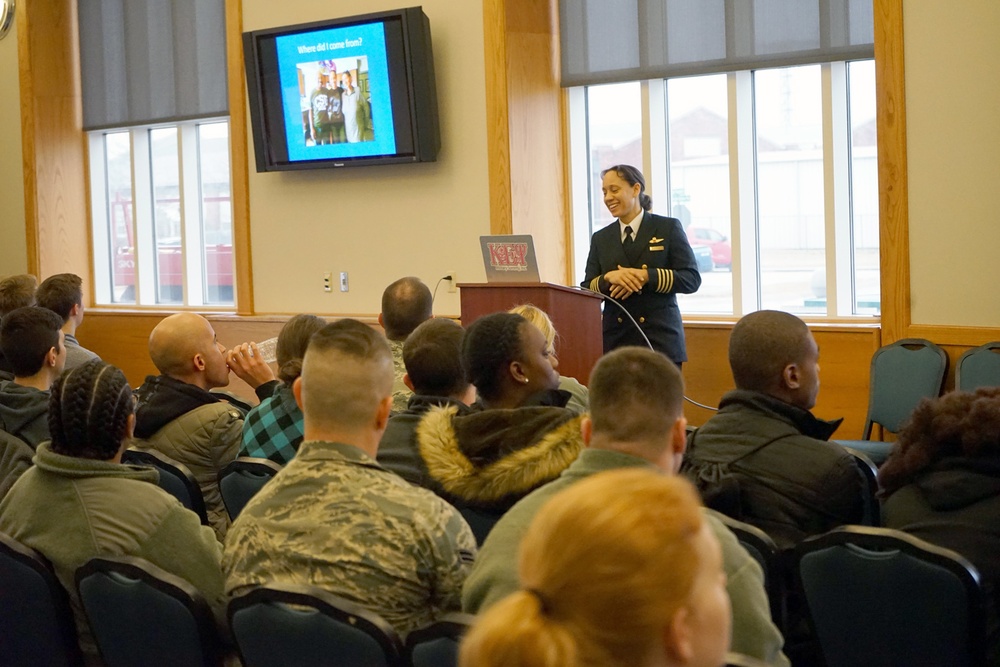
437,644
36,623
141,615
882,598
288,624
902,374
241,479
175,478
978,367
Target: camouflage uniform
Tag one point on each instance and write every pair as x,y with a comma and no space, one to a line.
400,392
335,519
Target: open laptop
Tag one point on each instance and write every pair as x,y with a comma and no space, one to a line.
509,258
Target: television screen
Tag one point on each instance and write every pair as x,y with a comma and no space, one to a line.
349,91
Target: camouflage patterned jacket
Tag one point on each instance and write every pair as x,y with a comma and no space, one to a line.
335,519
400,392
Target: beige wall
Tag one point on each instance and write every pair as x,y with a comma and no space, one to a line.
953,150
13,248
379,223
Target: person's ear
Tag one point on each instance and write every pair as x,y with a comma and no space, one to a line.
790,376
198,361
52,357
381,322
130,426
408,382
297,392
678,436
586,430
517,372
382,415
678,641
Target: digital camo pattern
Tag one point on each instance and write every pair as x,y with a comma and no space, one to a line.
335,519
400,392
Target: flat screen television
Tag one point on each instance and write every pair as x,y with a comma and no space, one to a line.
344,92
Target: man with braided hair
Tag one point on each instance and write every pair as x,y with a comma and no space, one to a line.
178,415
78,502
333,517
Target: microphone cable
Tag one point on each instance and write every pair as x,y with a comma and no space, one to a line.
609,299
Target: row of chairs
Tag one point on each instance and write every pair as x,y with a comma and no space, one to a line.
239,480
141,615
877,596
909,370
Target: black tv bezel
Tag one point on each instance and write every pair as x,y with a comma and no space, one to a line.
419,88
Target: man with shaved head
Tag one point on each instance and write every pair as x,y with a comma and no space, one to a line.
763,458
179,416
333,517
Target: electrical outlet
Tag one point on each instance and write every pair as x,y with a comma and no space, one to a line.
453,283
343,281
328,282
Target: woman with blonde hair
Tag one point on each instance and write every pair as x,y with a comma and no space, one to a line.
579,401
619,569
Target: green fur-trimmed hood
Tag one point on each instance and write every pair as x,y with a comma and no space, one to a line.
494,457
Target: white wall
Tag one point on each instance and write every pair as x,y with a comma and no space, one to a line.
952,57
379,223
13,248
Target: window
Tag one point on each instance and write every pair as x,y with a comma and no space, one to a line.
772,171
162,215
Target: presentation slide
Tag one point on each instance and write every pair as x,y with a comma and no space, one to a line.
335,93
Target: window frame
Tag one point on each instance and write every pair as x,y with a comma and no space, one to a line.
745,269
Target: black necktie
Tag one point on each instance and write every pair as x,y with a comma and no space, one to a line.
627,243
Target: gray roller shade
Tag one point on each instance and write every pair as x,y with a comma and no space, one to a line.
152,61
626,40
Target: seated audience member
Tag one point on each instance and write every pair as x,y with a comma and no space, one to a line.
636,421
63,295
434,371
178,415
333,517
538,317
32,340
763,458
619,569
406,303
15,292
78,502
273,429
519,435
942,484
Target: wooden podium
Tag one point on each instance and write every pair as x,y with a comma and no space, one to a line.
576,315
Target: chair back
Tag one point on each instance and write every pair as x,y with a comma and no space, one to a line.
437,644
763,549
881,598
175,478
978,367
288,624
869,471
140,614
902,373
241,479
35,616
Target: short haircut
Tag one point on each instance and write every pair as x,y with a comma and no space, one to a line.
432,355
958,425
292,344
89,408
762,344
59,293
636,395
346,373
604,567
17,292
491,343
405,304
26,336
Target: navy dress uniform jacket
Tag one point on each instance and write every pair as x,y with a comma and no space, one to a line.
662,249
